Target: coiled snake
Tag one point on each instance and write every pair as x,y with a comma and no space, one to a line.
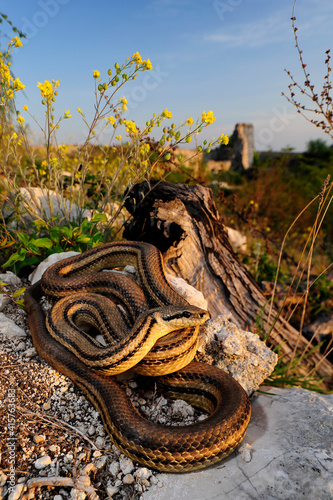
147,312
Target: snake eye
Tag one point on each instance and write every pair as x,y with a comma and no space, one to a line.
186,314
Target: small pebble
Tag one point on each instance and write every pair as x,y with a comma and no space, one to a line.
128,479
21,346
31,353
39,438
114,468
16,492
142,473
126,465
3,478
91,430
42,462
47,406
101,462
100,442
112,490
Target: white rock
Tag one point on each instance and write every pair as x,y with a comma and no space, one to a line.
77,494
238,241
111,490
31,352
41,268
4,301
42,462
181,409
101,462
242,354
142,473
9,330
128,479
191,294
10,278
45,201
114,468
58,497
290,434
126,465
3,478
16,492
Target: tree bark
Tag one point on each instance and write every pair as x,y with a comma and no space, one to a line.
183,222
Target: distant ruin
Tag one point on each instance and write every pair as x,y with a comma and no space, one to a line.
239,154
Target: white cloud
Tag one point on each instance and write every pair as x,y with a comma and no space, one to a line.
274,28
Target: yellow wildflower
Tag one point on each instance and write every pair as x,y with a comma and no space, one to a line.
166,114
123,101
137,59
67,114
20,120
148,65
130,126
16,42
111,120
144,149
223,139
25,108
17,85
208,117
96,74
47,88
189,121
118,137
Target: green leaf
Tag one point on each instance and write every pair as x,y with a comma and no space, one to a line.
66,231
84,225
15,257
19,292
43,243
23,237
82,238
99,218
55,234
32,247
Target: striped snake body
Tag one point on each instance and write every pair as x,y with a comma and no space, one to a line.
147,313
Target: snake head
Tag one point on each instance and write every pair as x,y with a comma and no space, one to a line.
171,318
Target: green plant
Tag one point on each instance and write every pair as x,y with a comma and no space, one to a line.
90,175
15,297
49,238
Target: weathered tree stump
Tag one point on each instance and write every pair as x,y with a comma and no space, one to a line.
183,222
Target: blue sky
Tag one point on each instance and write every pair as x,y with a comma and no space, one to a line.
227,56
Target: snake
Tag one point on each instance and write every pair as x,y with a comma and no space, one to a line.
145,311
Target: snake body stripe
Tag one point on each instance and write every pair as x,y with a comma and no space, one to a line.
61,278
116,358
172,449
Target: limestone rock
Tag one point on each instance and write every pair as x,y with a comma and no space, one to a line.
55,257
10,278
290,435
238,240
242,354
191,294
9,330
42,462
46,203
